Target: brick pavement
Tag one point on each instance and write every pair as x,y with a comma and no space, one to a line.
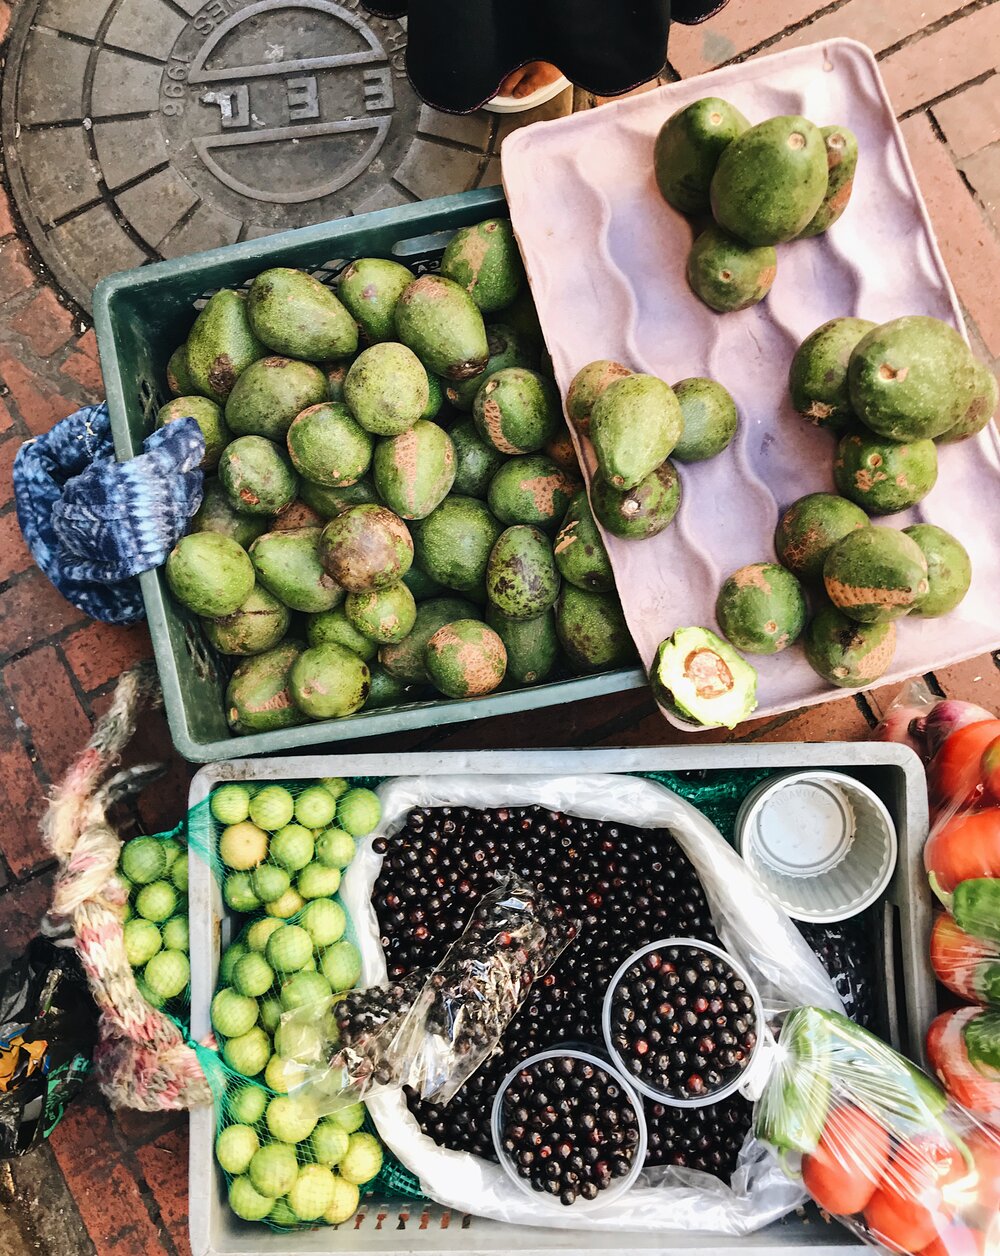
116,1184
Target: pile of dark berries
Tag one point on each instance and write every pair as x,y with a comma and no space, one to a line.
683,1021
569,1128
846,951
706,1138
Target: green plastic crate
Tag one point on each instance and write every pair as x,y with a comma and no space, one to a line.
141,316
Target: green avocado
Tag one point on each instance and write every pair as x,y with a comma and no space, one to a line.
875,574
641,512
216,514
330,502
700,678
517,410
438,320
982,407
506,349
270,393
288,565
369,289
258,625
532,645
589,383
298,317
258,699
817,379
387,389
366,547
386,690
335,376
384,616
329,681
522,317
847,653
209,574
484,260
453,544
810,527
179,379
579,550
761,608
592,630
880,475
522,580
476,462
405,659
209,418
414,471
257,476
465,659
531,489
710,419
334,626
221,345
688,148
728,275
420,584
435,399
634,425
328,446
841,163
949,569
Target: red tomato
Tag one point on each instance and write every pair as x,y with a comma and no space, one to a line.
985,1148
957,1240
965,847
949,1059
955,771
908,1211
954,956
989,769
850,1159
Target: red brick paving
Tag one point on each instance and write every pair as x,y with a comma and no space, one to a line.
128,1175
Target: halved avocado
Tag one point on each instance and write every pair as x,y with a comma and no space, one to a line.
698,677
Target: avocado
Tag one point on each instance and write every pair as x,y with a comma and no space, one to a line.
298,317
386,389
438,320
420,584
847,653
517,410
532,645
258,699
366,547
710,419
809,529
335,376
817,379
698,677
688,148
465,659
761,608
297,515
880,475
634,425
476,462
453,543
875,574
369,289
221,346
911,379
330,502
484,260
841,163
385,690
258,476
641,512
985,397
949,569
209,418
521,316
770,181
288,565
405,659
328,446
506,349
216,514
179,379
414,471
209,574
334,626
257,625
579,550
435,398
562,451
728,275
589,383
270,393
531,489
384,616
521,577
592,630
328,681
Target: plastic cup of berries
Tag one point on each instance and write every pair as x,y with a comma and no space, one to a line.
683,1021
569,1130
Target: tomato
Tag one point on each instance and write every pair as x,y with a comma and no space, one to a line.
954,955
985,1148
955,771
989,769
964,848
908,1211
851,1157
948,1055
957,1240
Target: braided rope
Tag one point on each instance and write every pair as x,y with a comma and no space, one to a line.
142,1059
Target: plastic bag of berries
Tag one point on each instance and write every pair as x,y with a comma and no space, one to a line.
550,1140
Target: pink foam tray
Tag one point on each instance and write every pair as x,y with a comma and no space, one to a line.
606,259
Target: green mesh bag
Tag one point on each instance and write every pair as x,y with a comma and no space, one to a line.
154,871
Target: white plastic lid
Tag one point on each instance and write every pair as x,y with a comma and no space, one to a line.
806,828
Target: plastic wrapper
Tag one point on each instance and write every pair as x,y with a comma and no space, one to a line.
967,966
877,1144
963,1047
750,925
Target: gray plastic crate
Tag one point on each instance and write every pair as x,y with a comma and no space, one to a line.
395,1226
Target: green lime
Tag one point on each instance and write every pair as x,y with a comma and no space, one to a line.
172,850
231,956
272,808
246,1202
335,848
247,1104
281,1216
233,1014
151,997
274,1169
329,1142
243,846
230,804
142,941
350,1118
290,904
127,913
167,974
315,807
324,921
292,847
157,901
249,1053
257,934
179,874
335,785
253,975
290,1118
143,860
288,948
270,1014
269,882
359,811
303,989
340,964
317,881
363,1159
177,934
282,1075
235,1147
298,1040
346,1198
237,891
312,1193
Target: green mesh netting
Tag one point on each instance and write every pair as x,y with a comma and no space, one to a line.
717,795
154,871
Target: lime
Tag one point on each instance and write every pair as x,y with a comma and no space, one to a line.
128,913
363,1159
282,1216
237,890
329,1142
269,882
281,1075
350,1118
297,1040
315,807
247,1104
303,989
151,997
230,804
335,785
359,811
143,860
249,1053
316,881
142,941
243,846
235,1148
270,1014
273,1169
233,1014
272,808
290,1118
246,1202
288,948
253,975
346,1198
292,847
179,874
176,934
340,964
290,904
168,973
335,848
324,921
257,934
231,956
172,849
312,1193
157,901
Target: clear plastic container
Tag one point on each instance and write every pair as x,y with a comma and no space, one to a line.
747,1082
618,1186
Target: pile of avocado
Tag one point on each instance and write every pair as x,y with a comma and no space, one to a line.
397,507
784,179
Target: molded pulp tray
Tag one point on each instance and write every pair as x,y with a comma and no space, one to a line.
392,1226
606,256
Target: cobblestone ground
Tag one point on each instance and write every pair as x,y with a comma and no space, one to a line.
116,1184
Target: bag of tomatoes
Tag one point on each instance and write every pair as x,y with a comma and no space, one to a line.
963,1047
877,1143
965,965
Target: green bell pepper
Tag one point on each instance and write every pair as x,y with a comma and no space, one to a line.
794,1106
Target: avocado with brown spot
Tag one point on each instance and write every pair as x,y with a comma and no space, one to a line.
875,574
841,163
809,529
517,410
817,379
405,659
949,569
438,320
846,653
221,345
209,574
179,379
592,630
982,407
761,608
700,678
369,289
589,383
288,565
882,476
562,451
688,148
270,393
258,477
209,418
367,547
465,659
258,699
216,514
506,348
257,625
387,389
531,489
328,446
328,682
384,616
484,260
298,317
414,471
727,274
579,550
329,502
522,580
641,512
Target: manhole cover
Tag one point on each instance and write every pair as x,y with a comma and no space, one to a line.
140,129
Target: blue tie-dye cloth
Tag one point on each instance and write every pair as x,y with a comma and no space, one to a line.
91,523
